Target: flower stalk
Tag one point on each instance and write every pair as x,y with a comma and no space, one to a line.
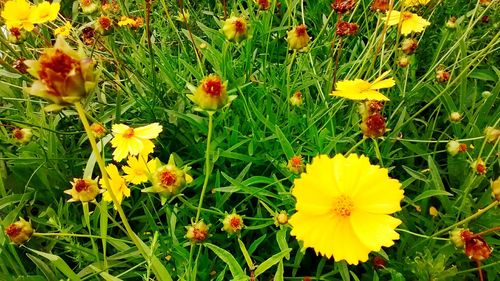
207,165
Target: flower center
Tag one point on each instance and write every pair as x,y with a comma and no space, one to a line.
239,26
167,178
407,15
18,134
12,230
296,161
81,185
343,206
199,235
235,223
128,133
213,87
300,30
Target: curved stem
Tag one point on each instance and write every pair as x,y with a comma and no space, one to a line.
207,164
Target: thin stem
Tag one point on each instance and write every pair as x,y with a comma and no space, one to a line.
64,234
481,277
355,146
421,235
207,164
225,8
102,167
482,233
377,152
150,46
337,57
467,219
86,214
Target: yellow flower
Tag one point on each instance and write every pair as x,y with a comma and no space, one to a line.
133,141
64,75
181,15
18,14
298,38
45,12
358,89
410,22
344,206
235,29
126,21
232,223
63,30
138,170
83,190
118,185
412,3
211,94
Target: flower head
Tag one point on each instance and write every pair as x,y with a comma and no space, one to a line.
358,89
117,185
19,232
296,165
346,28
83,190
183,16
380,6
139,169
410,22
65,76
344,206
373,126
133,141
197,232
104,24
263,4
343,6
232,223
98,130
22,135
235,29
18,14
211,94
63,30
298,38
296,99
45,12
491,134
409,45
475,246
88,6
479,166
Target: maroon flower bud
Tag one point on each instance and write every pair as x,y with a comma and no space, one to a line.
20,66
346,28
409,45
380,6
373,126
343,6
476,247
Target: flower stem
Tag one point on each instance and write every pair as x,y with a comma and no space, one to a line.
467,219
377,152
86,215
207,164
102,167
355,146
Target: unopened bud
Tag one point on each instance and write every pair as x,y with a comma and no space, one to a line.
197,232
296,165
22,135
455,117
495,188
403,62
296,99
98,130
452,22
433,211
491,134
19,232
479,167
235,29
456,237
373,126
453,147
232,223
281,218
409,45
298,38
442,75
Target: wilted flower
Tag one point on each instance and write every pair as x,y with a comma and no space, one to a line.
403,62
296,165
358,89
17,35
479,166
296,99
380,6
232,223
343,6
117,185
65,76
83,190
197,232
410,22
344,207
18,14
373,126
88,36
104,25
235,29
20,66
88,6
19,232
63,30
346,28
298,37
442,75
263,4
491,134
211,94
22,135
452,22
45,12
476,247
495,188
409,45
133,141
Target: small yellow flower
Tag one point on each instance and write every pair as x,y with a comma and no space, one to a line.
410,22
45,12
133,141
98,130
298,38
197,232
118,185
138,170
18,14
412,3
358,89
181,15
83,190
433,211
235,29
22,135
344,206
63,30
126,21
232,223
168,180
211,94
19,232
296,99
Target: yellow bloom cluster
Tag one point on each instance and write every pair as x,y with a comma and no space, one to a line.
22,15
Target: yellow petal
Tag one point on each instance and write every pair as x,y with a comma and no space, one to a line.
371,95
119,128
347,245
121,151
386,83
150,131
147,148
394,18
135,146
373,230
383,196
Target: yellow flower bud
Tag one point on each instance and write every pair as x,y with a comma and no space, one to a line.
433,211
281,218
211,94
456,237
232,223
19,232
65,76
495,187
296,165
197,232
168,180
296,99
492,134
235,29
83,190
22,135
298,37
98,130
455,117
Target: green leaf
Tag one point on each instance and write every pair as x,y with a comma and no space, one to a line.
431,193
271,261
279,272
246,255
44,268
282,243
226,257
59,263
285,144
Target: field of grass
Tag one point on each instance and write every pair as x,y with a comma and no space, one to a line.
225,109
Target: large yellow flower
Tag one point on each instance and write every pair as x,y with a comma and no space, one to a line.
344,206
138,171
45,12
410,22
18,14
133,141
118,185
358,89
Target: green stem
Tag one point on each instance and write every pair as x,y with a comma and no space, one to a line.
64,234
377,152
467,219
102,167
355,146
420,235
207,164
86,216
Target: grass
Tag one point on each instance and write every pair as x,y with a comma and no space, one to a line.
239,156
